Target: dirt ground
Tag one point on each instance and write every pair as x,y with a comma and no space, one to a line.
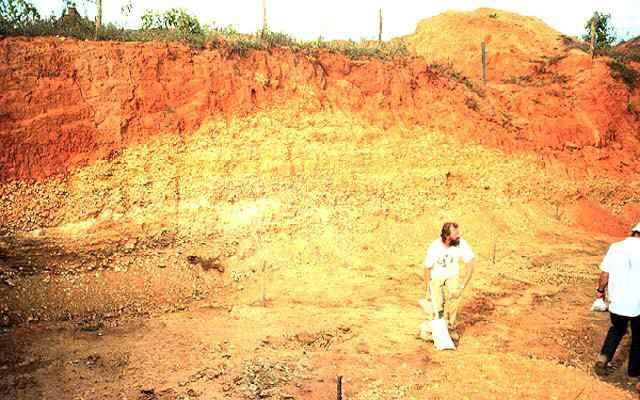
524,334
275,284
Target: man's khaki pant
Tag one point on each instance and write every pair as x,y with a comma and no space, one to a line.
445,295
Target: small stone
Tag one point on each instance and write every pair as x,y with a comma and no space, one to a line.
362,348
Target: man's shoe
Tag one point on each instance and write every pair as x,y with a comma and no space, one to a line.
635,382
602,366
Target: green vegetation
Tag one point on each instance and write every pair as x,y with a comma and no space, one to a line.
574,43
605,35
16,15
449,71
621,71
604,39
174,19
20,18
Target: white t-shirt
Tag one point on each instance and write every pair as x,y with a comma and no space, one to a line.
622,262
444,261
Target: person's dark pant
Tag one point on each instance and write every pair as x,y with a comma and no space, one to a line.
618,329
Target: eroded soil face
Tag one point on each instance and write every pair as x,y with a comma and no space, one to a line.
271,254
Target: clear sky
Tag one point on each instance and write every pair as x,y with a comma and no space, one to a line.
356,19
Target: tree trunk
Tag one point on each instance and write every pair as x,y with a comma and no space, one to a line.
593,36
98,17
380,27
265,27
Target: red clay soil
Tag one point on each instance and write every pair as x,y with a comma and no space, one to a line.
552,95
512,41
66,103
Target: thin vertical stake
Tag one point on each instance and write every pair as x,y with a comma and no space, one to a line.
265,27
264,284
98,17
380,26
593,34
484,62
339,388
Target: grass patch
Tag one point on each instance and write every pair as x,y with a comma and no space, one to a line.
573,43
453,74
203,37
622,72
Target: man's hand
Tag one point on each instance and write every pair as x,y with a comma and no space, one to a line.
603,282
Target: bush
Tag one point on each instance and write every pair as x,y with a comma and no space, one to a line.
81,28
384,51
242,46
20,18
621,71
174,19
15,15
277,39
574,43
633,55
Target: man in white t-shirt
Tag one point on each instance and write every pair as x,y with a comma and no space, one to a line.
621,275
442,271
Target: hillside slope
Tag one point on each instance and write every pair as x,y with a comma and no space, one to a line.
67,103
513,41
552,95
294,240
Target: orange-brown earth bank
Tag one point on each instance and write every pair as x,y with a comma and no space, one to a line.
195,224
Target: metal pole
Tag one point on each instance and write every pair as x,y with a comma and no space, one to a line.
339,388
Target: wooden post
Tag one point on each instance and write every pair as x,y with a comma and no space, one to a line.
593,34
484,62
98,17
265,26
339,388
380,26
264,283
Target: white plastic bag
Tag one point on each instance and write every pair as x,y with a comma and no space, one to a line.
440,334
599,305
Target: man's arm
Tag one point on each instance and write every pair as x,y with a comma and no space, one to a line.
602,284
608,264
470,260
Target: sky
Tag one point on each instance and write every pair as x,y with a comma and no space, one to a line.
357,19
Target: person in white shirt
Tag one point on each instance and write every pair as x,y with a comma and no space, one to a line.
442,271
621,276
